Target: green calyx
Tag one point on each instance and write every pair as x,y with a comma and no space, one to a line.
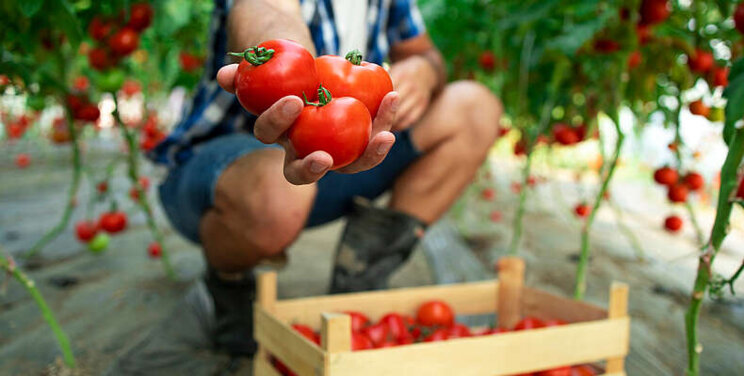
255,55
324,97
354,57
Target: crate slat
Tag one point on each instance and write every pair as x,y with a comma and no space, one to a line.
503,354
262,367
545,306
280,340
465,299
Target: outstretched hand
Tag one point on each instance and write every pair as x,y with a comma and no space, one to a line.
272,125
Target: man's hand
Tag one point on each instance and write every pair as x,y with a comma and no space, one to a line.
272,125
414,78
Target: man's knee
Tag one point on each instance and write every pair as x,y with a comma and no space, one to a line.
479,111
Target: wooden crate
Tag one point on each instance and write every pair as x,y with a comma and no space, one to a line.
594,334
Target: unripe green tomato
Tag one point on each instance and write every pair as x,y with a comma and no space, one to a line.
99,243
717,114
111,80
35,102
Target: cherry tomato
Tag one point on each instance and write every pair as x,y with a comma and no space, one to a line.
694,181
673,223
495,216
492,331
528,323
740,191
360,341
102,187
377,333
739,17
582,210
561,371
565,135
654,11
88,112
189,63
435,312
15,131
81,83
130,88
22,160
352,77
606,46
699,108
487,60
272,70
99,59
643,32
140,16
720,76
701,61
341,127
387,343
583,370
441,334
458,331
395,325
307,332
634,60
677,193
666,176
113,222
358,320
76,102
99,243
124,41
100,28
86,230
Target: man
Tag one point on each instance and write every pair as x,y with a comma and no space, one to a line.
232,189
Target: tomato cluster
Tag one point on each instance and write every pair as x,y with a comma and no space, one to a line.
434,321
349,92
16,129
82,108
677,190
151,134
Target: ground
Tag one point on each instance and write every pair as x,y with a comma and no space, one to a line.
108,303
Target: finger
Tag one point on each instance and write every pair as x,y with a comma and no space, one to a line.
307,170
226,77
386,113
277,119
376,151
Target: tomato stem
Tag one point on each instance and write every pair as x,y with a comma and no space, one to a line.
354,57
324,97
255,55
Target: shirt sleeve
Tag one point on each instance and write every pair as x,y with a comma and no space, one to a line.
404,21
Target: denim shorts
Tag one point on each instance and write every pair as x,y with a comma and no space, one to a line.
188,191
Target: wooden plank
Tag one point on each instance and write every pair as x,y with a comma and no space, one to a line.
511,281
466,299
545,306
266,290
618,309
280,340
262,367
335,332
503,354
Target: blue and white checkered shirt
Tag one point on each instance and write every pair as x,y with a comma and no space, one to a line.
214,112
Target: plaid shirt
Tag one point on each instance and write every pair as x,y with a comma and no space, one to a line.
214,112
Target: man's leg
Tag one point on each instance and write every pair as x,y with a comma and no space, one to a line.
454,135
256,215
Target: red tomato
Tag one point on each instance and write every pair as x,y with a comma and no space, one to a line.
582,210
740,192
634,60
124,42
562,371
739,17
720,76
99,28
360,341
529,322
352,77
307,332
154,250
565,135
99,59
377,333
272,70
488,194
189,62
520,148
673,223
407,340
458,331
654,11
395,325
583,370
409,320
492,331
699,108
113,222
15,131
606,46
130,88
341,127
643,32
134,194
358,320
435,313
700,62
102,187
677,193
281,367
140,16
76,102
81,83
387,343
86,230
22,160
694,181
441,334
487,60
88,112
666,176
495,216
144,182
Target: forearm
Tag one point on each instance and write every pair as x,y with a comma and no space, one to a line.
436,67
251,22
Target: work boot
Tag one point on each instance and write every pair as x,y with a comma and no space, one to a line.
233,309
375,243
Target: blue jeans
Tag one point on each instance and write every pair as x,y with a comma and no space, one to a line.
188,191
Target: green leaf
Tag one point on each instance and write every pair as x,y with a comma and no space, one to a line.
737,70
68,21
734,93
572,39
30,7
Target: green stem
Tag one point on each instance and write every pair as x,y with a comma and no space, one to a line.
678,155
255,55
354,57
46,312
632,238
517,225
133,173
718,234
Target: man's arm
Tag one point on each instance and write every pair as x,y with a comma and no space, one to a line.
418,73
251,22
